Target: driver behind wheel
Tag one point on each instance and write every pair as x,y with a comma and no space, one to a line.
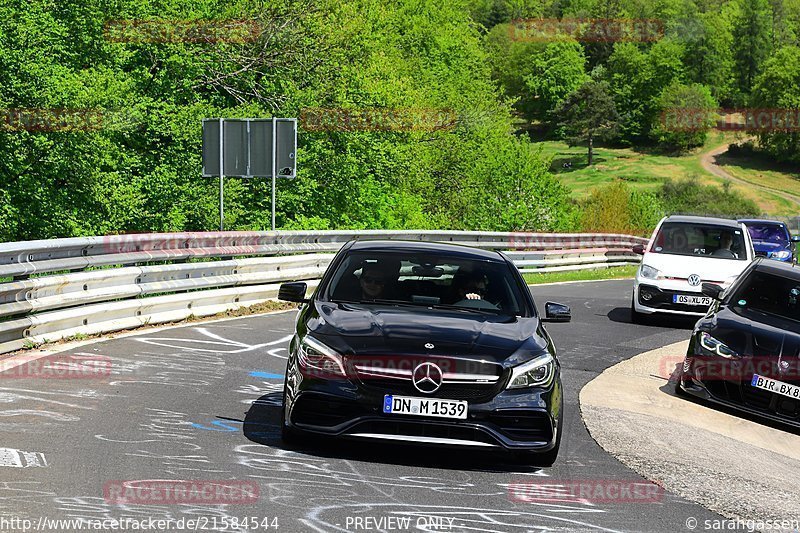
469,286
725,243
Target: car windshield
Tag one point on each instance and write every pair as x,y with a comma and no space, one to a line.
768,232
706,240
428,280
768,293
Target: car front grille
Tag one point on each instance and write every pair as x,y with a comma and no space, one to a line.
757,399
461,379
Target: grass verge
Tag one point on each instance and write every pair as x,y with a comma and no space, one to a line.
621,272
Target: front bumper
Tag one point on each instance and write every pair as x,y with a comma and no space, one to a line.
660,300
713,380
525,420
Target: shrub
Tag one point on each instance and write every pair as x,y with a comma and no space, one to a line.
689,197
616,208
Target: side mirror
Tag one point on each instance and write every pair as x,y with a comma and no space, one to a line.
712,290
293,292
795,238
555,312
638,249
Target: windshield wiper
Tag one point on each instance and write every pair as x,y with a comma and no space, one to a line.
480,310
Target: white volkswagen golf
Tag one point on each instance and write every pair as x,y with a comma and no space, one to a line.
683,253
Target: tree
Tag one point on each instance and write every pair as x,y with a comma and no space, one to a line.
551,74
686,115
637,79
589,113
751,40
778,88
709,56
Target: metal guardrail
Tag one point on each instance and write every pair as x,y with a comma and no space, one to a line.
64,287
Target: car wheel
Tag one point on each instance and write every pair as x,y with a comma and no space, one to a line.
289,436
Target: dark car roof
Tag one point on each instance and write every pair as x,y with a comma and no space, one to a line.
429,247
761,221
777,268
688,219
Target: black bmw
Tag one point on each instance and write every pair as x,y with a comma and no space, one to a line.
745,353
428,343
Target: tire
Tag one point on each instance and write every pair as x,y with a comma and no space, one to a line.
289,436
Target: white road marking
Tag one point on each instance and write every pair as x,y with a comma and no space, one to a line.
10,457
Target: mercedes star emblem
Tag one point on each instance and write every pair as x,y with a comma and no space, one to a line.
427,378
694,280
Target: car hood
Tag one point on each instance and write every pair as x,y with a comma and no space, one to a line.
683,266
376,330
754,334
770,246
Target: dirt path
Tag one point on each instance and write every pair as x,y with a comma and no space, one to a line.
709,162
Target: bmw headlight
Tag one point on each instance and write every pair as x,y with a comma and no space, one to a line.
782,254
715,346
649,272
537,372
318,360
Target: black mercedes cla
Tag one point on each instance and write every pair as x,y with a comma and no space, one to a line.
424,343
745,353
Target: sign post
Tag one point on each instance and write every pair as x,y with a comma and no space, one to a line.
249,148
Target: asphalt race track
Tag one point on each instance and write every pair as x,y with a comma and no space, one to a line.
202,402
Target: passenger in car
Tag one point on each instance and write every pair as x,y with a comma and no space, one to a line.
379,280
373,282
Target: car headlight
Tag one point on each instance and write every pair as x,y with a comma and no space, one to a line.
538,372
715,346
782,254
319,360
649,272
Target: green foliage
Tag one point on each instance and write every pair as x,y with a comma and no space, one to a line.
752,45
689,197
551,74
637,79
143,174
588,114
616,208
709,57
685,115
777,88
139,169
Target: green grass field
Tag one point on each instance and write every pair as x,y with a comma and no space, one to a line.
763,172
648,170
621,272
